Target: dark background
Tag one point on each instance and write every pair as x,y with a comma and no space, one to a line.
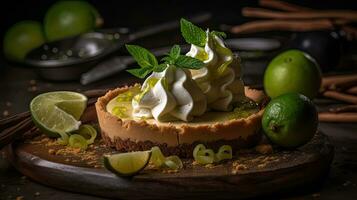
139,14
136,14
17,86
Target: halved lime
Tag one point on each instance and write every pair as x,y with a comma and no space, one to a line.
58,112
127,164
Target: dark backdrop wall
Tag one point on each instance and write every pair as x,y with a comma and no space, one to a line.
134,14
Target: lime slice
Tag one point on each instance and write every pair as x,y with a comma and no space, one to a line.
58,112
127,164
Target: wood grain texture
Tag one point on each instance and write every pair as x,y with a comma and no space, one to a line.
287,171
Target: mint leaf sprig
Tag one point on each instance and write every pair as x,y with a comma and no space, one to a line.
196,35
148,63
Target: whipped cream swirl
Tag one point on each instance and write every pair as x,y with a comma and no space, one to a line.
220,78
169,95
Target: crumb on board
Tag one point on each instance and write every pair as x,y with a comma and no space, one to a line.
238,167
264,149
8,104
89,157
37,194
169,171
263,165
52,151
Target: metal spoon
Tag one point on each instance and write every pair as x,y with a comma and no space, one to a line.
67,59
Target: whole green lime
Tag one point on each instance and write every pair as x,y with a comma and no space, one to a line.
21,38
290,120
69,18
292,71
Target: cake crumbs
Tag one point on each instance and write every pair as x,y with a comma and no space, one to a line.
211,166
238,167
52,151
263,165
264,149
170,171
37,194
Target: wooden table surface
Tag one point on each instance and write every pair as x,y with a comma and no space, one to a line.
19,85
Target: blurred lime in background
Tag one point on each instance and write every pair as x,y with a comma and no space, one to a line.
292,71
21,38
69,18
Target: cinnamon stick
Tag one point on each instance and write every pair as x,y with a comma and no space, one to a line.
283,25
316,14
12,133
281,5
348,108
337,117
12,120
341,96
352,90
339,81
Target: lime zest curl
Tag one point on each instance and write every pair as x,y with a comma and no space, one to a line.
157,158
63,139
173,162
80,138
88,132
205,156
160,161
78,141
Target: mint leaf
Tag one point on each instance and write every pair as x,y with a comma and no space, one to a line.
168,60
192,33
175,51
188,62
142,56
219,34
160,68
140,72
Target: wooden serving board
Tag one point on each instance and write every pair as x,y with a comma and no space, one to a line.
250,174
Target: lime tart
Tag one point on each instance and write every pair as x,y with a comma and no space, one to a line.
184,101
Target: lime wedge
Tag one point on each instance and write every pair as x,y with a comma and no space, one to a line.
58,112
127,164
